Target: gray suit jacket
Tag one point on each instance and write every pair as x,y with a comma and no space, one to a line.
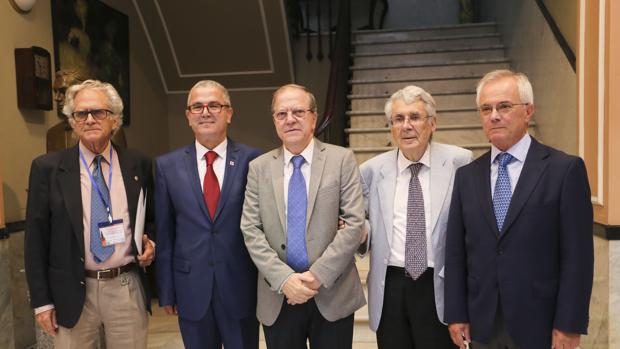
379,183
335,192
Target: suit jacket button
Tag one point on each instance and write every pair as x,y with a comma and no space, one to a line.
500,252
283,246
82,283
82,259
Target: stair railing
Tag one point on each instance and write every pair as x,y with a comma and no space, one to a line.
333,123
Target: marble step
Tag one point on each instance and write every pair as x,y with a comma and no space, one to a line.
364,153
439,42
445,116
430,55
412,33
432,84
455,99
428,70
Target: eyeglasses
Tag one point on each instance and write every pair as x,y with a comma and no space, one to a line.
503,108
415,119
98,114
212,108
297,113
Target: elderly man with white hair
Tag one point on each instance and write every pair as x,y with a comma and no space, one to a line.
407,195
83,264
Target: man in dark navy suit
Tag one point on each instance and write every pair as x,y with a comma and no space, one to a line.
519,250
204,272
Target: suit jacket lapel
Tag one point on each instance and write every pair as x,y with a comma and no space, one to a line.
316,173
230,173
533,168
191,168
277,180
70,186
483,190
440,181
386,188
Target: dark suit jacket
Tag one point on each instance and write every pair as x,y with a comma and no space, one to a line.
539,268
54,244
192,250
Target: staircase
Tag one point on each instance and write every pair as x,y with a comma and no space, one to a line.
446,61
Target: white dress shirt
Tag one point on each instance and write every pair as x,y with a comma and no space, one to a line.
401,196
519,152
305,169
219,165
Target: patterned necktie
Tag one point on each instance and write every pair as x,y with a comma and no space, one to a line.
502,192
415,240
296,253
210,186
98,214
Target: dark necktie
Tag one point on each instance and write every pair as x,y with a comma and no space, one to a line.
211,187
98,213
415,240
502,193
296,253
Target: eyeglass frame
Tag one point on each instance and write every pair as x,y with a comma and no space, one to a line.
504,111
91,112
413,119
208,106
292,112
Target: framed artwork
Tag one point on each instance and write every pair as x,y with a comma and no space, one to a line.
93,38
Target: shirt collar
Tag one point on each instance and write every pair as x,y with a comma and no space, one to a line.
403,162
220,149
306,153
518,150
89,156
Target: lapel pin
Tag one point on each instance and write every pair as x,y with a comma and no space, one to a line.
135,178
231,163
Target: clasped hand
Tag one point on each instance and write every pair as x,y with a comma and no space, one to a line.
300,287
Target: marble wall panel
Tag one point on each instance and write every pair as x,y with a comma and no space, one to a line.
23,319
6,305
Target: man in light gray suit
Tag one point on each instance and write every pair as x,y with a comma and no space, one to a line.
407,195
308,285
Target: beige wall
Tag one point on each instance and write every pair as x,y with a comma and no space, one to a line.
23,131
534,51
564,14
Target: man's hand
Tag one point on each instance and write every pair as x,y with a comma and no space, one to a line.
148,252
459,332
315,284
295,289
564,340
171,309
47,321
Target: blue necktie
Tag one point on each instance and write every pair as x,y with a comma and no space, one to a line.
98,214
502,192
296,253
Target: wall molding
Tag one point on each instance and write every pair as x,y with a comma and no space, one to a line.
607,232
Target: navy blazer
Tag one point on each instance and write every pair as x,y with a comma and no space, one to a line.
539,268
192,249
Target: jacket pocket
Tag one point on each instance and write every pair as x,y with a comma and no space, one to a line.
545,288
181,265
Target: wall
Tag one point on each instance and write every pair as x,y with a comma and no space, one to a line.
565,16
534,51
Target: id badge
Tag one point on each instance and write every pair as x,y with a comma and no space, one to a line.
112,233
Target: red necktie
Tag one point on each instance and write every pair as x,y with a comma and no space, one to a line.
211,187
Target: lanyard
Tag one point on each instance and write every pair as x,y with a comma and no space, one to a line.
94,184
